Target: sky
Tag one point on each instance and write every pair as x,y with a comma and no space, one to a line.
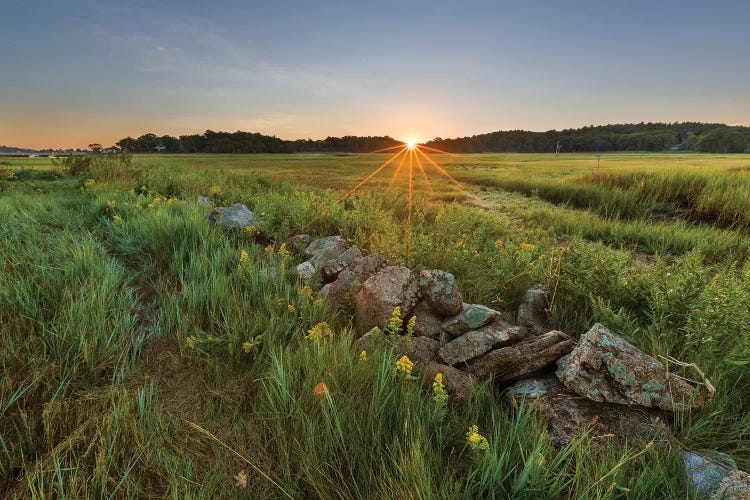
80,71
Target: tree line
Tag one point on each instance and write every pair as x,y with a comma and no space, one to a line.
685,136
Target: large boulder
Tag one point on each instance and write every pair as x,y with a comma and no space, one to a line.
567,415
420,350
427,324
305,272
440,290
381,293
471,317
322,250
366,266
605,367
477,342
706,469
736,486
237,216
532,313
331,268
523,358
337,291
458,383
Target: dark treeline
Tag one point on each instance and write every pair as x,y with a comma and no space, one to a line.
688,136
251,142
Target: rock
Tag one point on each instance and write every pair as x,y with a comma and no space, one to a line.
298,243
366,266
532,313
440,290
707,469
458,383
566,415
605,367
522,359
531,388
421,350
381,293
471,317
333,267
203,201
306,272
322,250
237,216
736,486
477,342
428,323
339,289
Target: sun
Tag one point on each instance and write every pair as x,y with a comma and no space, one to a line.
411,143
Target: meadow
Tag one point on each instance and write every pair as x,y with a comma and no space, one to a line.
141,357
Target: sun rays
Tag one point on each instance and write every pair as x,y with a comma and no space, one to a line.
410,154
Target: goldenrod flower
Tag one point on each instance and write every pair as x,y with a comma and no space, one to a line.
528,246
170,201
157,199
116,219
363,356
269,249
319,302
283,252
214,190
394,324
291,308
249,230
111,204
476,441
191,341
461,244
439,394
248,346
319,332
306,291
404,365
150,205
499,244
411,325
244,257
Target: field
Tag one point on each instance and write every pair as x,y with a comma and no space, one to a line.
141,358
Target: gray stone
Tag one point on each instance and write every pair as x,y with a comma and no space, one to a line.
523,358
366,266
322,250
340,289
381,293
306,272
567,415
477,342
420,350
237,216
532,313
471,317
331,269
706,469
428,324
440,290
531,388
458,383
203,201
736,486
605,367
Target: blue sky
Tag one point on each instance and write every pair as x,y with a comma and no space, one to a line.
77,71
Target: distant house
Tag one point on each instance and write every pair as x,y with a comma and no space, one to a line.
160,148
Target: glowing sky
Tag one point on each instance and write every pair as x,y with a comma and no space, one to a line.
74,72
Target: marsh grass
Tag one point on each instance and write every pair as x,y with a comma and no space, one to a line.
125,320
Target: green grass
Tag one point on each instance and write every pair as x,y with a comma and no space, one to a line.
140,358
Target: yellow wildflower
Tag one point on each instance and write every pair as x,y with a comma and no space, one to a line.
321,390
170,201
476,441
319,332
269,249
404,365
116,219
363,356
138,206
244,257
319,302
411,325
150,205
499,244
528,246
439,394
394,324
191,341
291,308
248,346
306,291
214,190
249,230
461,244
89,182
283,252
157,199
111,204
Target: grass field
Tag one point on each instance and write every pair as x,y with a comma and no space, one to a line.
140,357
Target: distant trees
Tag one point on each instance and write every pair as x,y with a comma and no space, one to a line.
687,136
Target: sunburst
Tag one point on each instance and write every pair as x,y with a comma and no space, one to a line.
408,154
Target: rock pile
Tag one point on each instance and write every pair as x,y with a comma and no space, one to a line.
601,383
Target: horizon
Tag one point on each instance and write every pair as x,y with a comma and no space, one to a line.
299,71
